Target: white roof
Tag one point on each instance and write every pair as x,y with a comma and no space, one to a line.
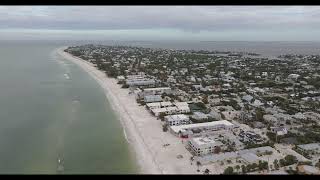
159,110
203,141
155,104
199,125
166,109
150,98
183,108
250,157
171,108
159,88
177,117
311,146
166,103
180,104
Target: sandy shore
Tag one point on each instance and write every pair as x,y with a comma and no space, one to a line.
143,131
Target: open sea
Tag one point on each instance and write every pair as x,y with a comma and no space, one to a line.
51,109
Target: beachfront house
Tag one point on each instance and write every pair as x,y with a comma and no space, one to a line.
154,105
152,98
203,145
158,91
177,119
141,82
182,107
166,110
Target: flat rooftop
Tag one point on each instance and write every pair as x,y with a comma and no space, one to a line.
176,117
200,125
312,146
159,88
203,140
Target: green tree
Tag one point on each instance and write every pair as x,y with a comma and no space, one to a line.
282,162
290,159
259,114
228,170
237,167
162,115
243,169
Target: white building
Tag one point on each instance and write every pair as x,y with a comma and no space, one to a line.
168,107
177,120
165,104
154,105
182,107
140,82
279,130
203,145
166,110
152,98
121,78
159,90
190,129
293,77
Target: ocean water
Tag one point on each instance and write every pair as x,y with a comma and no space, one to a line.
50,109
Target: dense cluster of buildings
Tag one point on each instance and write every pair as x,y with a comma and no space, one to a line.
253,102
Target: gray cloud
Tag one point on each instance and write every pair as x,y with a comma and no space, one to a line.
186,18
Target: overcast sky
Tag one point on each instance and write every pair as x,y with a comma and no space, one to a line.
200,23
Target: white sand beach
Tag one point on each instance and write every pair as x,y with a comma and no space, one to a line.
143,131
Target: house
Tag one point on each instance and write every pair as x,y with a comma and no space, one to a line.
200,146
182,107
247,98
293,77
121,78
141,82
159,90
278,78
279,130
310,148
154,105
152,98
250,136
166,111
165,104
177,119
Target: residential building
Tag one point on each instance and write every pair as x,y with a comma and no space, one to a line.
190,129
177,119
152,98
203,145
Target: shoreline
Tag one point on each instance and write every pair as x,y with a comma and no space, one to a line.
142,130
127,127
